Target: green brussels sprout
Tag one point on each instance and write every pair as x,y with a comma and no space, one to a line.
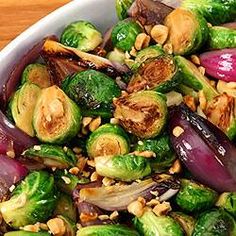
161,146
108,139
52,156
69,225
56,117
32,201
143,114
188,31
22,107
116,56
194,197
123,167
215,11
81,35
122,7
187,222
124,34
221,37
26,233
93,91
160,74
37,74
215,222
186,90
150,224
193,78
106,230
228,202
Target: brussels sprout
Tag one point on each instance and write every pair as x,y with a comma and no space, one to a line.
186,90
93,90
193,78
108,139
122,7
222,37
160,74
161,146
228,202
36,74
106,230
116,56
81,35
215,222
123,167
56,118
52,156
124,34
188,31
215,11
26,233
143,113
32,201
194,197
150,224
187,222
22,107
69,225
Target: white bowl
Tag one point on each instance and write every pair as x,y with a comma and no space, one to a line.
99,12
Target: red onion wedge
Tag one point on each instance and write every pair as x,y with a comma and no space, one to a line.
220,64
204,149
230,25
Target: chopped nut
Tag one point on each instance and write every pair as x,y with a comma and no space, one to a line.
133,52
168,48
88,217
114,121
94,124
177,131
37,147
195,59
74,170
65,149
107,181
212,83
11,154
82,161
153,202
85,174
79,226
12,188
176,167
54,168
142,41
91,163
202,100
114,215
160,33
202,70
142,200
56,226
190,102
94,176
162,209
86,121
209,24
148,28
66,179
31,228
154,193
103,217
146,154
84,130
77,150
43,226
136,208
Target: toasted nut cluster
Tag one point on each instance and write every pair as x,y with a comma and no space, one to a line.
74,170
94,176
114,215
103,217
190,102
160,33
114,121
94,124
107,181
56,226
153,202
91,163
176,167
66,179
142,41
136,208
202,70
11,154
148,28
177,131
202,100
162,209
168,48
195,59
133,52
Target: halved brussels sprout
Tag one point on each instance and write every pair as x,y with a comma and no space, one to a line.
188,31
160,74
32,201
143,113
194,197
82,35
22,107
56,117
52,156
116,56
37,74
93,91
108,139
124,34
122,7
123,167
26,233
150,224
69,225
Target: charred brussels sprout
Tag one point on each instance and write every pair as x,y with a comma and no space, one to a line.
124,34
194,197
108,139
56,118
143,113
26,233
93,91
30,200
107,230
150,224
188,31
122,7
70,226
52,156
123,167
81,35
36,74
22,107
160,74
215,223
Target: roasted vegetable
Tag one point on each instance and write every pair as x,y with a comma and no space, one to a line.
108,139
36,74
123,167
215,223
122,7
225,87
143,113
116,56
124,34
194,197
30,200
82,35
150,224
188,31
93,91
26,233
22,107
52,156
70,226
56,118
